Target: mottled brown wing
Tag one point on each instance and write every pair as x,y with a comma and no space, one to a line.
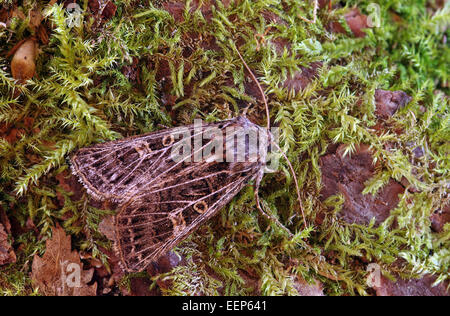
120,170
151,224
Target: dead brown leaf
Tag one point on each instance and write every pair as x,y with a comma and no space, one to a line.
413,287
301,79
69,183
104,10
7,254
106,227
109,11
347,175
9,133
60,272
389,102
132,72
439,218
305,289
356,21
42,34
23,64
17,13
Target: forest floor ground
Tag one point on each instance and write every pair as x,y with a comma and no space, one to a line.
358,89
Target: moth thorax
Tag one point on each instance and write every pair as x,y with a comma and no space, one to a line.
249,144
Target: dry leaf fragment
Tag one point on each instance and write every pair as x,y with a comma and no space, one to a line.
60,272
357,22
105,10
413,287
17,13
347,175
301,79
23,64
7,254
109,11
42,34
439,218
388,102
106,227
305,289
69,183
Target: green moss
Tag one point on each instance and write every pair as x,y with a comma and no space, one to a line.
80,96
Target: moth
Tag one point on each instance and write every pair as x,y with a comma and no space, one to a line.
163,199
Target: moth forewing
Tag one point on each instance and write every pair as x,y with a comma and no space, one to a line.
214,150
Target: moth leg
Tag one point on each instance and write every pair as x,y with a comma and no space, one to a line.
263,213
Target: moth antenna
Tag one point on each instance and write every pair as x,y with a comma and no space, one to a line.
316,6
261,91
276,145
